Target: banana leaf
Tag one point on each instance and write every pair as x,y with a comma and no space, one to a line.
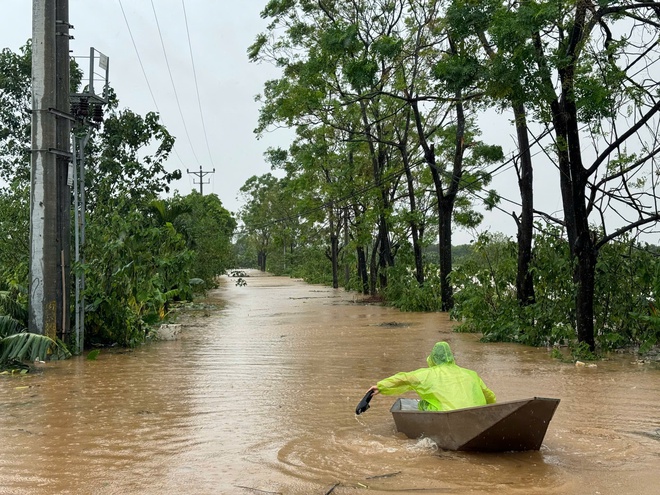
30,347
9,326
11,307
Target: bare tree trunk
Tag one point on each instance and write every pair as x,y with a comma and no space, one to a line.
362,269
524,281
261,259
334,250
414,228
373,268
347,269
444,248
378,162
334,255
585,277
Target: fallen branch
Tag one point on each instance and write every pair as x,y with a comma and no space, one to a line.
332,489
388,475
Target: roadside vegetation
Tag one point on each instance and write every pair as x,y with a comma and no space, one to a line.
145,251
387,100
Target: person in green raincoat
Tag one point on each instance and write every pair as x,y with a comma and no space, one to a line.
442,386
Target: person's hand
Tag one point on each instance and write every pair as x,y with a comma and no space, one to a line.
374,390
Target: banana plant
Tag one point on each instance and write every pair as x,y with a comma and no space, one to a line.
25,346
16,344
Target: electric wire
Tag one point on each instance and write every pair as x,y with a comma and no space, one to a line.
144,72
137,52
199,100
169,70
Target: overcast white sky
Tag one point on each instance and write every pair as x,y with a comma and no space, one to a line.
220,33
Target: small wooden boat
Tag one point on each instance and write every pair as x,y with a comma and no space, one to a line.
501,427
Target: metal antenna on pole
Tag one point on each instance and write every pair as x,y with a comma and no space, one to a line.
201,174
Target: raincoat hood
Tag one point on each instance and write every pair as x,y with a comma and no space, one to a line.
441,354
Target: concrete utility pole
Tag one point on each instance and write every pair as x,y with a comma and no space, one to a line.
49,237
64,165
201,174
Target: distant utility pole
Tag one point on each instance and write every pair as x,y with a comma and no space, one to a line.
201,174
49,188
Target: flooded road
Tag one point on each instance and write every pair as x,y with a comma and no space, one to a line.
259,398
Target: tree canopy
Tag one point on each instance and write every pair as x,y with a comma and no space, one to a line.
387,98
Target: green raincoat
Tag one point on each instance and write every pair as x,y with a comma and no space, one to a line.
442,386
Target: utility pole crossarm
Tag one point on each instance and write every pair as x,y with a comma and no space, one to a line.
201,174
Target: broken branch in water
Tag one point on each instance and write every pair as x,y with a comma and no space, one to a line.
388,475
332,489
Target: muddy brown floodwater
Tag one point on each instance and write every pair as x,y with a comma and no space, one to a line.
259,397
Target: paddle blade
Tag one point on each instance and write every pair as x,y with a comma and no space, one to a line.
364,403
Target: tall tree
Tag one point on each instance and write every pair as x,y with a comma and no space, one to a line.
371,57
208,228
584,65
264,213
502,84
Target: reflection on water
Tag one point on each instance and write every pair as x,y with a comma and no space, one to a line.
260,398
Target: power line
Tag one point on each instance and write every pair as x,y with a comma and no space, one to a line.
169,70
199,101
144,72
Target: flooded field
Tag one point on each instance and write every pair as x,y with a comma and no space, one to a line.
259,398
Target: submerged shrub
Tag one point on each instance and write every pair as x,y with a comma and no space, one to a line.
625,301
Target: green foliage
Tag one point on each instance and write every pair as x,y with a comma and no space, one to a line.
483,288
15,228
10,326
627,290
310,264
627,283
361,73
455,73
121,167
16,344
134,270
15,117
580,352
93,354
141,253
487,299
26,346
405,293
208,229
13,304
13,310
388,47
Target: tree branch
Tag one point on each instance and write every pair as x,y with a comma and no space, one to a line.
620,173
627,228
556,220
654,109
